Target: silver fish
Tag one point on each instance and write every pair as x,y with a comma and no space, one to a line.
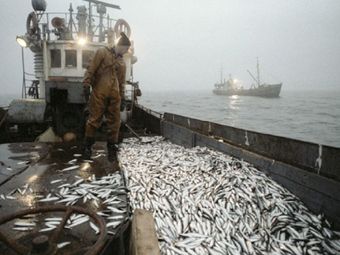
23,229
56,181
70,168
206,202
47,229
62,245
24,224
95,228
23,162
49,199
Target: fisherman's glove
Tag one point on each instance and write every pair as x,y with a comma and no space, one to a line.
122,104
87,92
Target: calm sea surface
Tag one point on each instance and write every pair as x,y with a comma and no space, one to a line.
305,115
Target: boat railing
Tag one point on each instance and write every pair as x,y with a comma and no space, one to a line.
150,111
68,22
30,86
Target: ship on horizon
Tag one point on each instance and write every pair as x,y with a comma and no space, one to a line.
232,87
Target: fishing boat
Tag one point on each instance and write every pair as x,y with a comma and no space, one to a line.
259,89
169,193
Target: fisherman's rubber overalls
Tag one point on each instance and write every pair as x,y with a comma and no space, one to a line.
106,74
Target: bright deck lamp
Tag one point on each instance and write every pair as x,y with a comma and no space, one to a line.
82,41
22,41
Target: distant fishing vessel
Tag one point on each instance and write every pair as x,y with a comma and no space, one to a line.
232,87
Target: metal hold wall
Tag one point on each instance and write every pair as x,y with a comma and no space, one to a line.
147,119
320,159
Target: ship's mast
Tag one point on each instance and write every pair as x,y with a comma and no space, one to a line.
258,72
70,23
257,80
221,75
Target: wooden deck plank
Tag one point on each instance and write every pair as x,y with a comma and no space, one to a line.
143,239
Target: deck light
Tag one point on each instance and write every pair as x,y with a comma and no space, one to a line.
22,41
81,41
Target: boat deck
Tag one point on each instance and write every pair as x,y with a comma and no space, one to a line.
173,178
36,174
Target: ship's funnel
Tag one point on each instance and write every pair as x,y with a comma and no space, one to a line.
39,5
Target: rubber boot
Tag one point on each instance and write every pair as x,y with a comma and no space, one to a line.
87,147
112,149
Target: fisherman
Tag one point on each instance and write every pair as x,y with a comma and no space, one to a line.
106,75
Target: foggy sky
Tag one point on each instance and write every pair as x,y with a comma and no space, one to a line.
182,44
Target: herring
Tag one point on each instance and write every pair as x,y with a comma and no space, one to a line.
62,245
70,168
206,202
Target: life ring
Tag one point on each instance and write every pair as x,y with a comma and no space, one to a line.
122,26
32,25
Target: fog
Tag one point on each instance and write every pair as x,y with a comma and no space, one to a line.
182,45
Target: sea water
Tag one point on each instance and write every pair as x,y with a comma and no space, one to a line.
312,116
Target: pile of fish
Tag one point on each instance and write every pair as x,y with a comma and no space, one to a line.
205,202
105,195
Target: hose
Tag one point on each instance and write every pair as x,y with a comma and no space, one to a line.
32,25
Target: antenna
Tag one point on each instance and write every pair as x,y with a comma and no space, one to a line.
103,3
113,6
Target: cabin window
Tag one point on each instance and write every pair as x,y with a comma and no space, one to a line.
87,57
55,58
70,58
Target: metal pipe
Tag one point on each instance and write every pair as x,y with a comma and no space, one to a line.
89,30
3,119
48,27
103,3
70,23
23,91
101,33
133,132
